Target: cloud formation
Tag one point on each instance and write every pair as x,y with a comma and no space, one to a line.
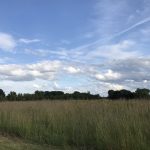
72,70
43,70
7,42
28,41
112,52
121,50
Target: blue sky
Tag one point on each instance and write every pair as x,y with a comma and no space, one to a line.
88,45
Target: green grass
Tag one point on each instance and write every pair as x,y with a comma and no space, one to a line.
101,125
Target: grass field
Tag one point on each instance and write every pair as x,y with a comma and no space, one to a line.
97,125
10,143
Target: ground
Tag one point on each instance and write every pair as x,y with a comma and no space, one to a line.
8,143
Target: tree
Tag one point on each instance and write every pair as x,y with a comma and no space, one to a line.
39,95
122,94
2,95
142,93
111,94
12,96
125,94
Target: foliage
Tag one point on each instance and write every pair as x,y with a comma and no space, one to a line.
2,94
142,93
122,94
125,94
47,95
76,95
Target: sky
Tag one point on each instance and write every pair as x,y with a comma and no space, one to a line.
74,45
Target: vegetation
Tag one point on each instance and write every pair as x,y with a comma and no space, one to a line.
9,143
98,125
125,94
47,95
59,95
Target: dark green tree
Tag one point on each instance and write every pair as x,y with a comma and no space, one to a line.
122,94
2,95
12,96
142,93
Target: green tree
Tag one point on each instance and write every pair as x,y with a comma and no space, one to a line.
142,93
122,94
12,96
2,95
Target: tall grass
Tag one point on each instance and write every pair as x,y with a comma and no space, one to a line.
101,125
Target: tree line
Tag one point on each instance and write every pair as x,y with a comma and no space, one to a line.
126,94
60,95
48,95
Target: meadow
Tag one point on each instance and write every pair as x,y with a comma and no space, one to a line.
95,125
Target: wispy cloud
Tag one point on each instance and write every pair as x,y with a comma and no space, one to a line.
45,52
111,37
7,42
28,41
144,21
121,50
5,60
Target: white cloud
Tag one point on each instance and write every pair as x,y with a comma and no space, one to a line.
112,86
7,42
38,52
26,86
45,66
46,52
109,75
122,50
56,85
40,85
37,86
28,41
119,74
99,76
45,70
72,70
136,69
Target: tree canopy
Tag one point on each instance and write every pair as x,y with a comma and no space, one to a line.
125,94
76,95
